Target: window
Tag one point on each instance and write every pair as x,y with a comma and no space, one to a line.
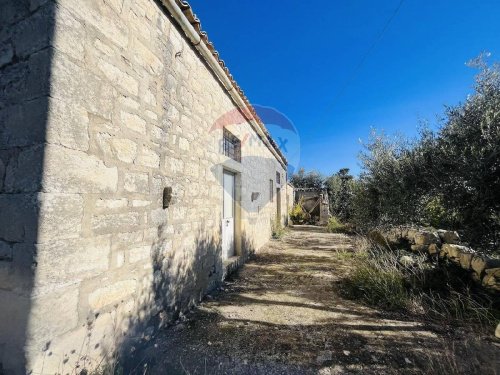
271,190
231,146
278,178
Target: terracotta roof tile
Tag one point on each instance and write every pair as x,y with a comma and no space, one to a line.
195,22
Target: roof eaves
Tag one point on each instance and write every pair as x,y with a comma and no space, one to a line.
196,23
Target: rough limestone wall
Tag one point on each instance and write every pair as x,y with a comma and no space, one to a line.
130,112
26,29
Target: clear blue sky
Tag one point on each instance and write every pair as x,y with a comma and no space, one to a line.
296,56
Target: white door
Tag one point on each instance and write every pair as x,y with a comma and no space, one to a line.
228,216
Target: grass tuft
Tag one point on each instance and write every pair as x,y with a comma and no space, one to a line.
396,281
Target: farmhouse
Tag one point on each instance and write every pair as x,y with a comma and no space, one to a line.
125,193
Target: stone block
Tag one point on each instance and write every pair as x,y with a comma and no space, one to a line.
128,102
13,11
24,124
19,217
24,171
144,57
111,203
112,294
433,249
71,171
453,251
70,261
119,259
68,125
426,238
137,254
21,82
124,149
140,203
115,222
133,122
448,236
116,75
69,34
183,144
175,166
465,259
91,340
480,262
491,279
60,216
51,315
410,235
35,32
149,158
136,183
76,85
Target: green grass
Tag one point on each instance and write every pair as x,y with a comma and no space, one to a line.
335,226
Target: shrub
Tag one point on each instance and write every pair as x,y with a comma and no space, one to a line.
311,179
297,214
448,177
335,226
340,191
277,230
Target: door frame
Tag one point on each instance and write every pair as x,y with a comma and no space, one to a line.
236,208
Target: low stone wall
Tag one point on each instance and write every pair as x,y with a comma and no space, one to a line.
443,244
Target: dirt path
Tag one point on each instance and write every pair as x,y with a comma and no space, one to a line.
282,314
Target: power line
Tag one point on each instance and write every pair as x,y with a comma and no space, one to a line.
379,36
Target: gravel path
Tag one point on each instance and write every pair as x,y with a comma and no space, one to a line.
282,314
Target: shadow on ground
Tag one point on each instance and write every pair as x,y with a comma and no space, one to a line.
282,315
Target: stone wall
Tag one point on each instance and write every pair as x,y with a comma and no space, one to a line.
444,244
104,105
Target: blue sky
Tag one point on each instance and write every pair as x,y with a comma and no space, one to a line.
296,56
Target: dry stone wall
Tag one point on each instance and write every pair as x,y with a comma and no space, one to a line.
445,245
104,104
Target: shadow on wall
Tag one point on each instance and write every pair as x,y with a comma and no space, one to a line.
248,330
248,203
180,278
26,31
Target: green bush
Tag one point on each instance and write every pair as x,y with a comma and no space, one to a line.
335,226
447,178
297,214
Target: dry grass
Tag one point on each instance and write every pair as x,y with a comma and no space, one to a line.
395,281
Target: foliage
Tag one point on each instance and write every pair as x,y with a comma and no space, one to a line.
277,230
340,190
448,178
297,214
335,226
311,179
381,278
